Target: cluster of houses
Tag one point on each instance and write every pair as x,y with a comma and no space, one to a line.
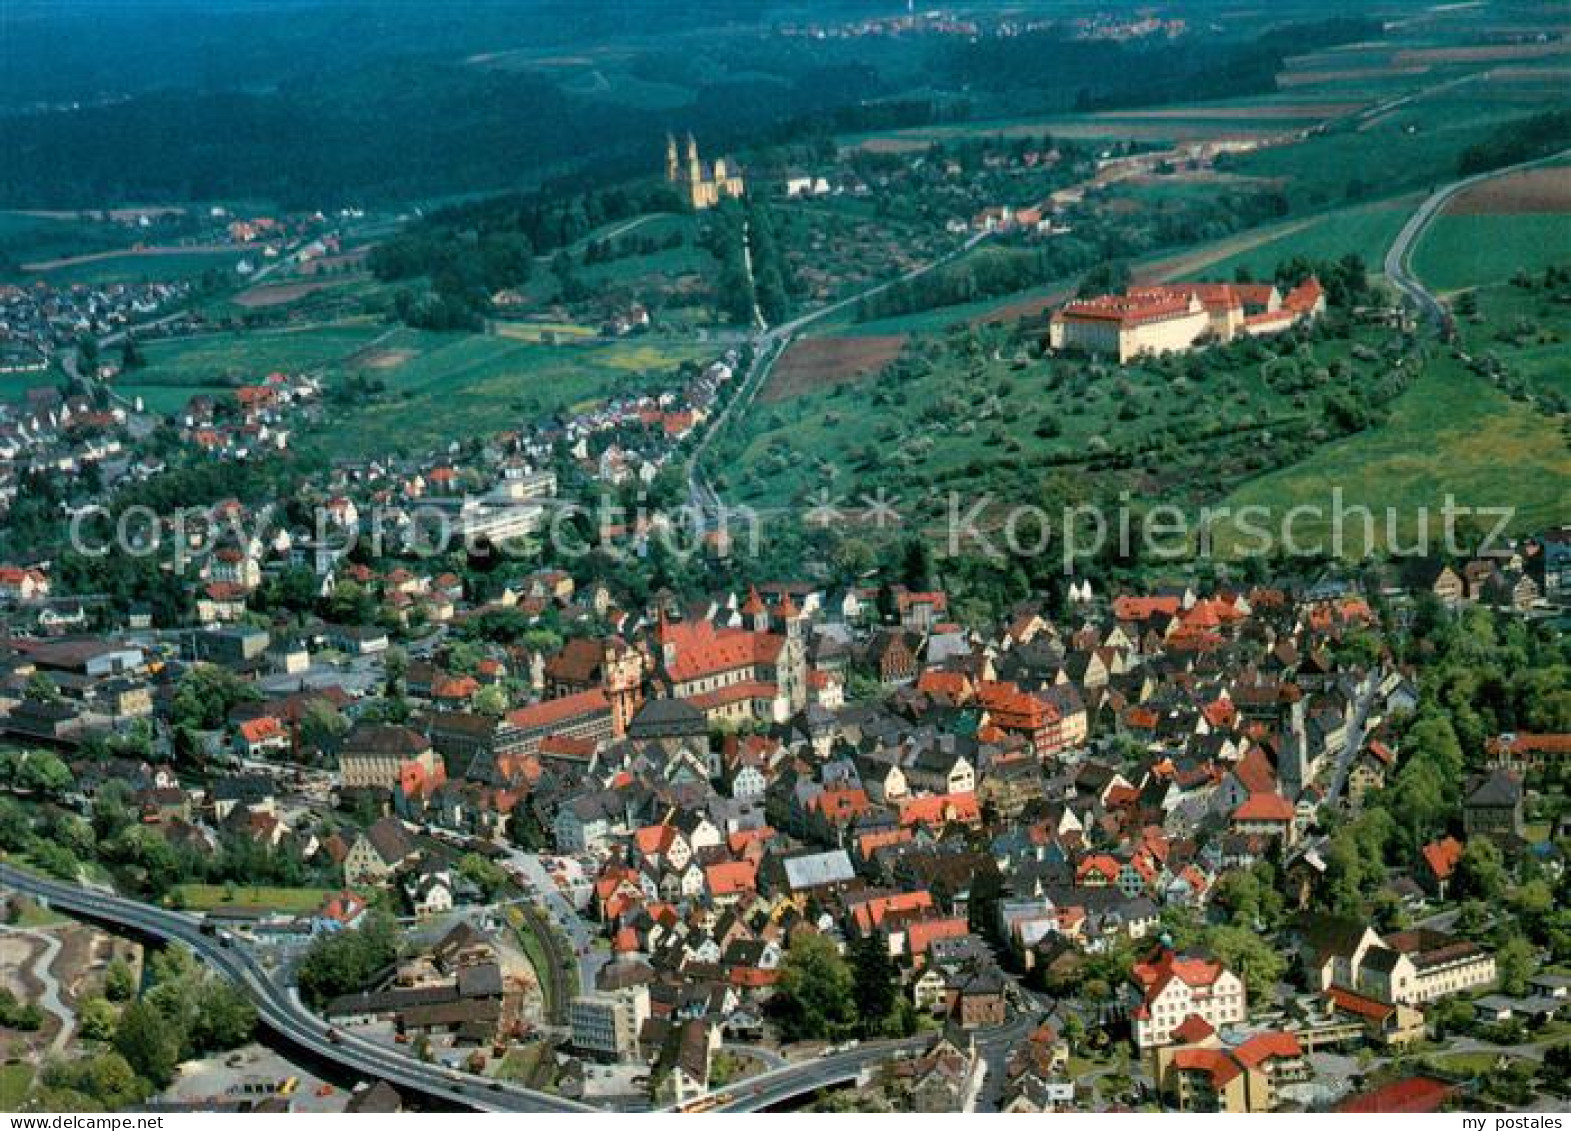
257,422
51,434
40,319
632,439
1019,797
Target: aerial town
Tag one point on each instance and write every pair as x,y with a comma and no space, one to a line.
949,578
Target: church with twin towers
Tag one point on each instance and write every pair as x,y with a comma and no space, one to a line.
702,185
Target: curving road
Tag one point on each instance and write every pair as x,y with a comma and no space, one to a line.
281,1011
1397,268
793,1081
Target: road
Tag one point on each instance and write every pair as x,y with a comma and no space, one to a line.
1397,267
281,1011
1355,743
580,934
781,1085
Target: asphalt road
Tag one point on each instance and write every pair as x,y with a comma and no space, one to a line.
1397,268
784,1084
281,1011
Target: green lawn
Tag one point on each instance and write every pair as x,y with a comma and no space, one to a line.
1450,433
16,1080
453,386
208,897
1366,229
28,238
951,416
14,386
222,359
1467,1063
134,268
1528,329
168,400
1459,251
1413,149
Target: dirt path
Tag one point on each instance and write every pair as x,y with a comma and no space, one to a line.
131,253
41,965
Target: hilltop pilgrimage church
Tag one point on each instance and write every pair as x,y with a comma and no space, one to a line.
701,185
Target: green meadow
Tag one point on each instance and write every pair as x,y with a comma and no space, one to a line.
1459,251
1366,229
1451,434
444,387
222,359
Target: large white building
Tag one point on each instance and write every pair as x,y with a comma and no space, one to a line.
1174,317
1414,967
1172,987
606,1023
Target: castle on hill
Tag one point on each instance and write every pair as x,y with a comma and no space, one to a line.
701,185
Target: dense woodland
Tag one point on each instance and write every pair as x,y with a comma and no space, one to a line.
390,122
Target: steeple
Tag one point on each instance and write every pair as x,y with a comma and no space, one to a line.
756,610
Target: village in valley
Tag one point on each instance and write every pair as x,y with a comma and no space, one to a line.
565,644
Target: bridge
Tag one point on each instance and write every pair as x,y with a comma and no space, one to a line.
281,1010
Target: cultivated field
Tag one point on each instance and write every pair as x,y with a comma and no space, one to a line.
1487,234
817,363
282,294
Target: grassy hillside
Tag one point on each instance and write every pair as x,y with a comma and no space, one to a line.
1452,433
1469,250
444,387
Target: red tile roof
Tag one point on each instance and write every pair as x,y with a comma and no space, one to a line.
1192,1029
1215,1063
551,711
1442,857
1264,807
1415,1095
1266,1046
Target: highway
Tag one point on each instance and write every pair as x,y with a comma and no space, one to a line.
1397,268
282,1012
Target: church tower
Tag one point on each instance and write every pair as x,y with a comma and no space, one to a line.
755,611
673,165
695,167
792,673
622,675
